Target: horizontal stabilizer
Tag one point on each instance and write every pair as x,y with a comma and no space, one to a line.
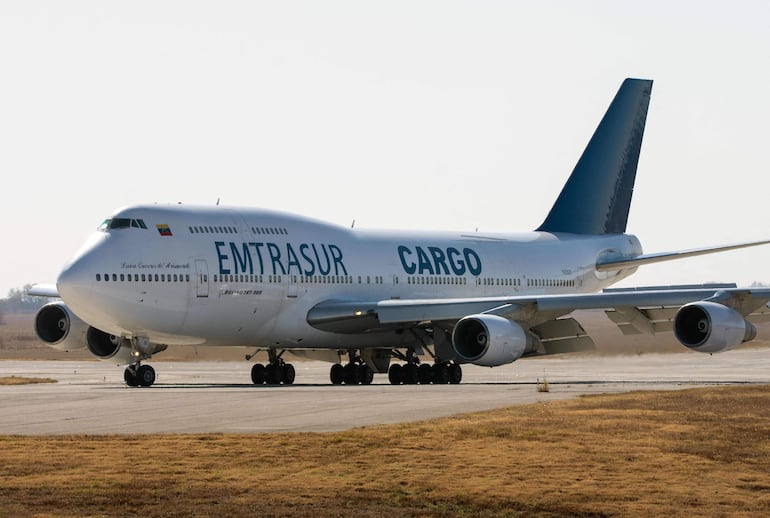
624,264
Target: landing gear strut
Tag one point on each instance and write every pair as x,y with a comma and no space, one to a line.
139,375
275,372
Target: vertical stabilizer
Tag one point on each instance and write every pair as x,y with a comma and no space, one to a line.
597,195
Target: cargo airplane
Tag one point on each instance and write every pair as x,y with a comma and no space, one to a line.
158,275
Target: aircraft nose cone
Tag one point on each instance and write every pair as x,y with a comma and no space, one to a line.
76,280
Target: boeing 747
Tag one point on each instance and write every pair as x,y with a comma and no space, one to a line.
158,275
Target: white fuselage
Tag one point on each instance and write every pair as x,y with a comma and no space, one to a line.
229,276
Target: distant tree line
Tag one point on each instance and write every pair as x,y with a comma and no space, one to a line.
18,301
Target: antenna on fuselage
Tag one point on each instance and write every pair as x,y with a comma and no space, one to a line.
217,201
352,225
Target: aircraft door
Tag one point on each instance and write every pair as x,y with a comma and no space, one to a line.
292,289
202,274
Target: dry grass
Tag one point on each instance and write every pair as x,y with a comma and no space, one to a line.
19,380
697,452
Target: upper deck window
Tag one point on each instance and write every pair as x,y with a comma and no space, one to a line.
117,223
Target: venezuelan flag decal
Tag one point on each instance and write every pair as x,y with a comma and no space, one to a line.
164,230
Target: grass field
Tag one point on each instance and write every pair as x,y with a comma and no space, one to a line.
696,452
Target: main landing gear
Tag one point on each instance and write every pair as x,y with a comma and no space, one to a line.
139,375
275,372
355,372
412,373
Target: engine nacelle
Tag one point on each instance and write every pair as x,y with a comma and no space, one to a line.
489,340
59,328
709,327
109,347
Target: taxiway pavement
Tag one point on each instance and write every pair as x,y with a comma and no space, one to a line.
203,397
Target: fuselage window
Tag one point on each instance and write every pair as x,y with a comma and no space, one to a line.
98,277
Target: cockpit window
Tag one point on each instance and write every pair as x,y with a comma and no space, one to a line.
117,223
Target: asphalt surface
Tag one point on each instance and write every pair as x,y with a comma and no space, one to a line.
202,397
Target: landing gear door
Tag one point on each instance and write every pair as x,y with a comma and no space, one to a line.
202,274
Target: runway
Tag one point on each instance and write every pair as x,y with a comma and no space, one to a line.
204,397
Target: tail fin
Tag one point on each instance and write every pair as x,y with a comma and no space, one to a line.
597,195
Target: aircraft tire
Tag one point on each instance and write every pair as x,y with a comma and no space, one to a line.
455,374
424,374
365,374
337,374
440,374
129,376
145,375
394,374
409,374
274,374
258,374
352,374
288,374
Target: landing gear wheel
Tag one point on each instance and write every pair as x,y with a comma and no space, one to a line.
394,374
424,374
352,374
258,374
366,375
145,375
455,374
129,376
440,373
288,374
337,374
409,374
273,371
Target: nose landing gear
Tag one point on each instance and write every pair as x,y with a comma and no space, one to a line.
139,375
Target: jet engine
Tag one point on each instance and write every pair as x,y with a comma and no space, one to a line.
59,328
709,327
108,347
118,349
489,340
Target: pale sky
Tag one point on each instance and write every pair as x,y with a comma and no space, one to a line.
447,115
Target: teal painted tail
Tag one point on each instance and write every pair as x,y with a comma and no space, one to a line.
597,195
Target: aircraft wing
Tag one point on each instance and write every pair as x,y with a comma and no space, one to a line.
634,311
